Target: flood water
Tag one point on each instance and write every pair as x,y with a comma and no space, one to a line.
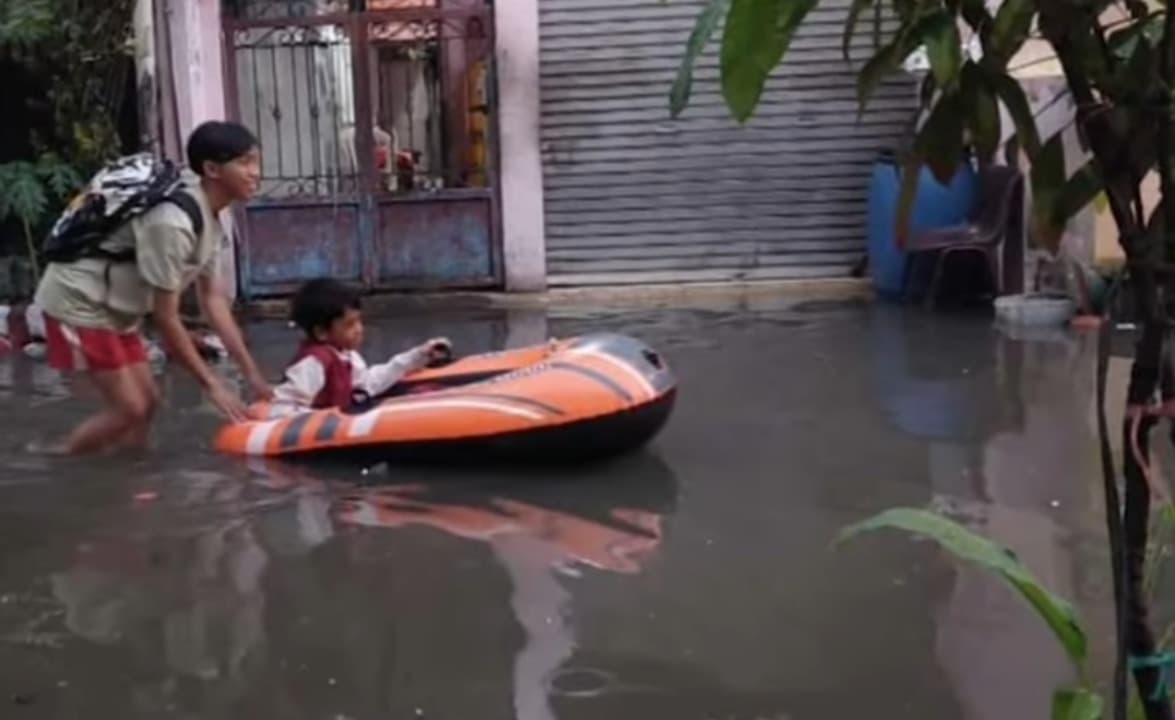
692,580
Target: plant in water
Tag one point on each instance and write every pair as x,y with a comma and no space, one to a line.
1076,703
74,54
1118,62
29,190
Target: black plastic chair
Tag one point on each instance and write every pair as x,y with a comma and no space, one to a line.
1000,191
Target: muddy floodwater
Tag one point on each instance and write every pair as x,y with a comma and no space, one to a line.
694,580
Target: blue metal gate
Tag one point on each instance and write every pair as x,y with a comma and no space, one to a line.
376,130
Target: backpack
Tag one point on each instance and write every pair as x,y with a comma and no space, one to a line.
121,191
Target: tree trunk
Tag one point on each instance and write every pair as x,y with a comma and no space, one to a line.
1071,35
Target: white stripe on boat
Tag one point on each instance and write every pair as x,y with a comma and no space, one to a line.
259,437
363,424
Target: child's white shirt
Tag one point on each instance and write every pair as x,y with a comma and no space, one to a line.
305,379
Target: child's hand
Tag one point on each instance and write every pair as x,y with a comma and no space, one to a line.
439,345
438,349
426,353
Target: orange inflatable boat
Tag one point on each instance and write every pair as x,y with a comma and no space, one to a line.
584,397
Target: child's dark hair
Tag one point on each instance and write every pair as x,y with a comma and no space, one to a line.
320,302
218,142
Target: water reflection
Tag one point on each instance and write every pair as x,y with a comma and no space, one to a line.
1010,448
294,590
184,584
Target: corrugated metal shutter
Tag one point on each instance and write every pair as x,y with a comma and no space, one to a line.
632,196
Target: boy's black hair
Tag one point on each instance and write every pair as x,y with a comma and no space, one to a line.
320,302
218,142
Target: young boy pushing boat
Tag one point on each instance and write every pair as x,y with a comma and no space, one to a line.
98,287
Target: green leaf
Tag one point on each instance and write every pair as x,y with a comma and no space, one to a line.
966,545
1077,704
60,177
855,10
975,13
906,10
940,140
938,145
1013,22
1076,194
704,28
1009,91
25,22
907,195
981,111
884,62
926,91
1133,85
754,41
874,71
24,195
889,58
1138,9
1048,180
878,11
1122,42
1136,71
943,47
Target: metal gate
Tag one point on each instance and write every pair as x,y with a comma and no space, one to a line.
375,120
633,196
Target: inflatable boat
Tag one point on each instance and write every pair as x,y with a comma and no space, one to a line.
566,400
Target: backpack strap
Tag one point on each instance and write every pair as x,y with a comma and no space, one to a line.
181,199
184,201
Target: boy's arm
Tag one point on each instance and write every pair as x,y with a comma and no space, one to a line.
379,378
161,247
179,342
217,311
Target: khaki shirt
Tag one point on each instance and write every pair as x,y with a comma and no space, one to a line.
97,293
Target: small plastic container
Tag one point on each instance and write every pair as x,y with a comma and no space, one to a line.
1034,309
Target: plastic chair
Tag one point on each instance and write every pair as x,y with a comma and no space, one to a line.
1000,190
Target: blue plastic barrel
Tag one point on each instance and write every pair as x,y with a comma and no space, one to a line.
935,205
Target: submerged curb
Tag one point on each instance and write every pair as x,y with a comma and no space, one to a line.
682,295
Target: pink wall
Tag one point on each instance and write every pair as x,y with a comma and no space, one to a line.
198,77
516,34
197,59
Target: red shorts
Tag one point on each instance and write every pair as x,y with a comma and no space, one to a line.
77,348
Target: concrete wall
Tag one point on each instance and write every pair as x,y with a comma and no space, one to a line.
519,154
193,27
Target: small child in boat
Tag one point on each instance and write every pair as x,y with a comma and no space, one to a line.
328,368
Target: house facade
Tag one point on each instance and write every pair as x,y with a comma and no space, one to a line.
516,145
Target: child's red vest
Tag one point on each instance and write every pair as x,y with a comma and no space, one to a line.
336,391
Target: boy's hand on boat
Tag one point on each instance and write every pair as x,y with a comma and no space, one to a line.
261,388
228,403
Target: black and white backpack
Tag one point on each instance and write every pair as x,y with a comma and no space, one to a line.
121,191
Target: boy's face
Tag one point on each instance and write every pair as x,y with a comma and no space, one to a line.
345,333
240,178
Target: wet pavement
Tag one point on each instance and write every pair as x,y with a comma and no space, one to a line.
691,580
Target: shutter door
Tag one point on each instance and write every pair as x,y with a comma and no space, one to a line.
632,196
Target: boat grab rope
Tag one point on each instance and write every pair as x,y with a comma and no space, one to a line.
1161,662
